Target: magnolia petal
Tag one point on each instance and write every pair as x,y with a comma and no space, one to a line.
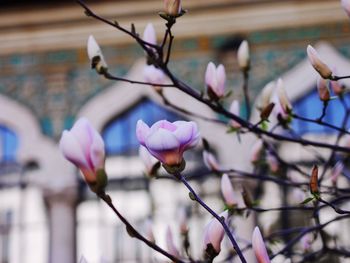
82,130
259,247
214,233
210,161
227,190
142,131
184,132
221,80
71,150
210,74
97,151
163,124
162,140
170,243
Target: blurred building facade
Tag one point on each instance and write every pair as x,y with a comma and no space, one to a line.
47,214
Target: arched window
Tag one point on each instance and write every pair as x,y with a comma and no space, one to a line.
310,106
8,145
119,134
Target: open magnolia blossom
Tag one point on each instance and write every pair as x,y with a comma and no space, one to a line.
84,147
167,141
214,233
172,7
95,55
259,247
215,80
318,64
227,190
243,56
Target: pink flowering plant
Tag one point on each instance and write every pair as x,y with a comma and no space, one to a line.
242,189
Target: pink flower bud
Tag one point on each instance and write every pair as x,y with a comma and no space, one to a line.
322,89
84,147
172,7
215,79
256,152
259,247
336,171
346,6
234,109
214,233
167,141
95,55
227,190
282,96
210,161
266,95
172,249
318,64
148,160
243,56
149,34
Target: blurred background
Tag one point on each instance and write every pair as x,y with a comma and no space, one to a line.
46,212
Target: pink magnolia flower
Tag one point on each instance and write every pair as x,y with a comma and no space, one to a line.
214,233
215,79
234,109
167,141
318,64
172,7
84,147
172,249
259,247
210,161
346,6
227,190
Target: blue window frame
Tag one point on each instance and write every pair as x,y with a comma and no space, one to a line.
310,106
119,134
8,145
